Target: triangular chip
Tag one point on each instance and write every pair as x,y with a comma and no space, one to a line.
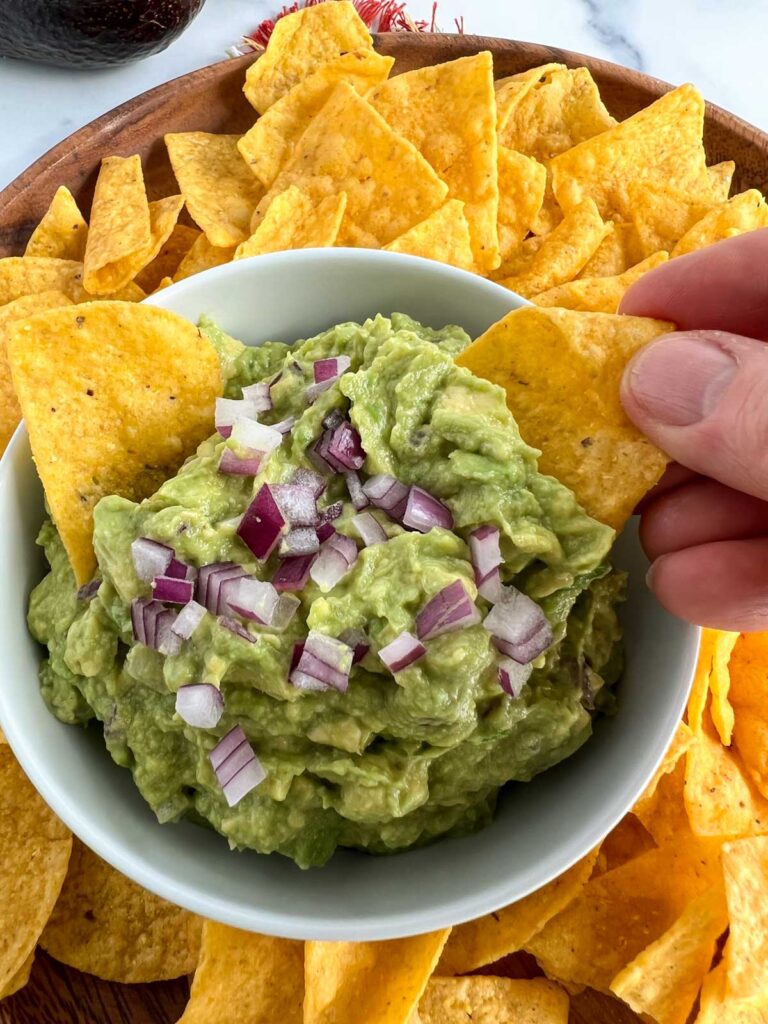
30,275
720,684
745,868
20,978
522,183
662,214
699,695
368,981
294,221
203,256
218,188
448,111
511,91
62,232
349,147
167,260
745,212
562,371
720,178
645,806
443,236
617,252
300,43
269,145
628,840
716,1007
115,396
487,1000
749,697
519,260
598,294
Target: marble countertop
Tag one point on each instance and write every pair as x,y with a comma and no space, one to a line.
717,44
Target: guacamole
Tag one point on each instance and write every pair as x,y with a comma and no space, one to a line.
395,757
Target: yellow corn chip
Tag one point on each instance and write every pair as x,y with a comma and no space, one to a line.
745,212
749,696
617,252
115,396
20,978
519,260
563,253
219,190
350,148
660,144
203,256
745,868
443,236
487,1000
598,294
269,145
720,178
30,275
718,1008
166,282
62,232
522,183
662,214
448,111
300,44
697,700
346,982
105,924
550,214
19,309
34,854
166,262
561,371
492,937
293,221
719,684
646,806
263,975
511,91
664,979
628,840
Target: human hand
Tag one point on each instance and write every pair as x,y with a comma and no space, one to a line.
701,395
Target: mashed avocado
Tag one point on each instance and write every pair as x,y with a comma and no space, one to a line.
397,760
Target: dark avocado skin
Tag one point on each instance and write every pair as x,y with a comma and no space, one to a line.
91,33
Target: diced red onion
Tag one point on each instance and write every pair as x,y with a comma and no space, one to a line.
180,570
285,610
137,619
296,653
384,491
485,551
151,622
150,558
370,529
170,643
330,369
254,600
423,512
491,588
262,524
323,451
450,609
231,464
188,619
519,627
336,558
331,512
402,652
236,766
88,590
235,627
356,493
358,641
314,455
345,448
333,419
258,395
200,705
285,426
255,437
325,531
215,584
301,541
324,664
229,410
293,573
513,676
309,481
297,503
173,591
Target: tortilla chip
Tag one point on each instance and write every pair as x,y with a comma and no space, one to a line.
162,285
350,148
718,1008
107,925
699,695
617,252
747,211
563,253
62,232
166,262
662,214
219,190
522,184
680,744
115,396
264,975
269,145
20,978
34,854
519,260
598,294
300,44
664,979
345,982
488,939
293,221
550,214
443,236
661,144
720,683
749,697
628,840
720,178
203,256
30,275
561,371
745,868
19,309
487,1000
511,91
448,111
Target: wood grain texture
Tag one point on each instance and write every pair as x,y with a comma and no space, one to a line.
211,100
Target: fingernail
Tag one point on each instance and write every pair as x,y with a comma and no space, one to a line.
678,380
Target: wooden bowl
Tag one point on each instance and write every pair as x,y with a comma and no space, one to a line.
212,100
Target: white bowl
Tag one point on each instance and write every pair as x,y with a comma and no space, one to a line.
541,827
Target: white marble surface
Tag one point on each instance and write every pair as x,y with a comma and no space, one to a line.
718,44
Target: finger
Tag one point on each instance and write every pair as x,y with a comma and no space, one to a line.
702,397
723,585
675,475
700,512
723,287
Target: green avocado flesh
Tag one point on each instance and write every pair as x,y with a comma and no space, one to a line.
396,761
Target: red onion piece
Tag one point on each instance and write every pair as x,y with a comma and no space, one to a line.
485,551
300,541
232,465
170,644
293,573
137,619
262,524
251,775
88,590
309,481
325,531
254,600
356,493
200,705
298,649
402,652
513,676
384,491
345,448
209,573
287,606
331,512
323,451
358,641
333,419
180,570
235,627
491,587
450,609
258,395
423,512
150,558
323,664
329,369
173,591
152,622
297,504
370,529
255,437
216,583
336,558
236,766
188,619
284,426
519,627
228,410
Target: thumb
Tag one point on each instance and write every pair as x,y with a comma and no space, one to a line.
702,397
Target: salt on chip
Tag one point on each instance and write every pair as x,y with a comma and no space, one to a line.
443,236
664,979
203,256
448,111
489,938
346,982
115,396
563,253
748,696
488,1000
167,260
745,869
720,178
513,89
598,294
747,211
294,221
349,147
62,232
301,43
662,143
562,371
269,145
218,188
34,853
522,184
662,214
